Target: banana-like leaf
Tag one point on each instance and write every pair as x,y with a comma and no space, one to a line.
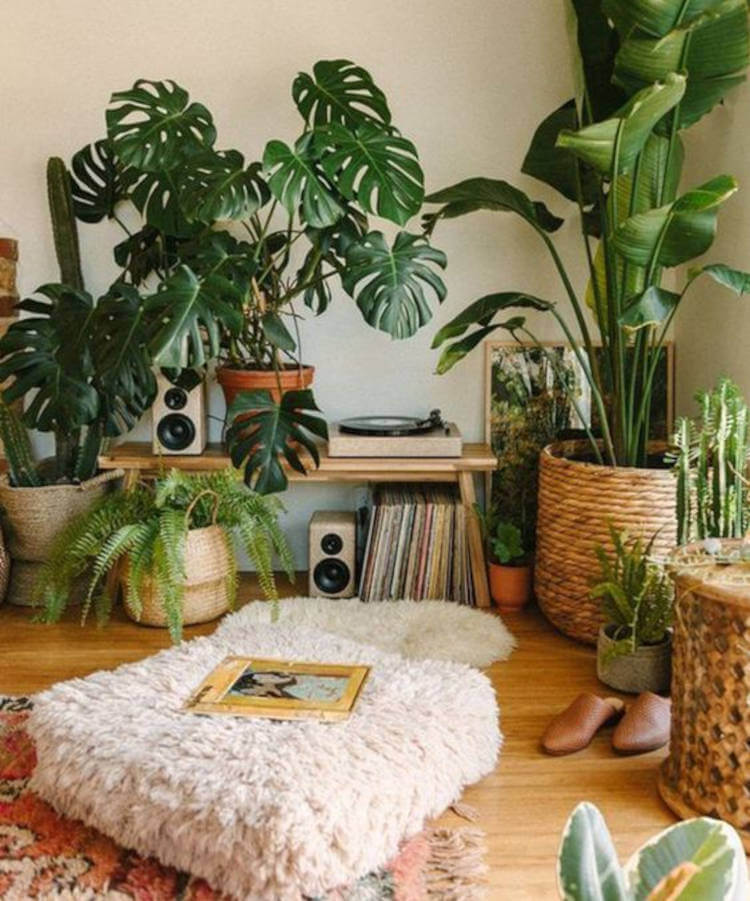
459,349
263,433
597,45
95,182
296,178
388,283
217,185
651,307
700,858
374,166
488,194
339,91
655,18
628,130
735,279
587,861
555,166
48,353
677,232
157,198
123,366
154,126
185,317
713,50
482,312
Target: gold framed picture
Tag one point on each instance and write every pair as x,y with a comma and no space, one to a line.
277,689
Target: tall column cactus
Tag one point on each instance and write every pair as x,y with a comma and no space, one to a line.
64,227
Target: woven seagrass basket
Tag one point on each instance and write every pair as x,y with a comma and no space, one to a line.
708,768
206,592
577,500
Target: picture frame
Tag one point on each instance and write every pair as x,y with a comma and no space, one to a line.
278,689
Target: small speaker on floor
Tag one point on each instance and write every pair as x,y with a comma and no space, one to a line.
179,417
333,550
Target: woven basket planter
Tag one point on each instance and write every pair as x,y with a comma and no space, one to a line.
33,518
577,501
206,595
708,767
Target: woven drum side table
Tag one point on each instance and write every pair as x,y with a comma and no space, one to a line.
708,768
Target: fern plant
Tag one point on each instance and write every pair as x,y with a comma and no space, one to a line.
148,525
636,593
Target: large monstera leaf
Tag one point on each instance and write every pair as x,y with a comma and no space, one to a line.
221,254
156,196
185,317
218,185
339,91
677,232
388,283
263,433
619,139
328,247
95,182
375,167
154,126
123,366
146,251
295,179
47,353
713,49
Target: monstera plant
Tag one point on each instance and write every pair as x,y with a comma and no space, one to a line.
226,249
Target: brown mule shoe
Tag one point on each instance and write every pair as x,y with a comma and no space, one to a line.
645,726
573,729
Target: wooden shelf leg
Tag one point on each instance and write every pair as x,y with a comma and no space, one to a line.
474,537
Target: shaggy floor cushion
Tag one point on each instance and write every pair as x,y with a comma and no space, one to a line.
438,630
259,808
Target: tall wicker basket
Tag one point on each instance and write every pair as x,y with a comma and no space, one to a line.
708,768
577,500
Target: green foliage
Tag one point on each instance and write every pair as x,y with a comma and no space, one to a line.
503,538
710,458
63,219
650,69
147,527
636,593
698,858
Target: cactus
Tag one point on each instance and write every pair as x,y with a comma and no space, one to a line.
21,464
711,460
64,227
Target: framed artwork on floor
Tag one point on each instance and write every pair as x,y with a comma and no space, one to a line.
527,406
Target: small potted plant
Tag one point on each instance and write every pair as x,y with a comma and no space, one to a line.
174,541
510,568
634,644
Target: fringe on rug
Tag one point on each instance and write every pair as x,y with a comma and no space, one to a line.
456,867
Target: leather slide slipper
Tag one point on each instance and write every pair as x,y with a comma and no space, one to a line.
645,726
573,729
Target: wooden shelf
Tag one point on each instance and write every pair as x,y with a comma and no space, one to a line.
137,459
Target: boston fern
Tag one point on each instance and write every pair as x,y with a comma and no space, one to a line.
148,525
651,69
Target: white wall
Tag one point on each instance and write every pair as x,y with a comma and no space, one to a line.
468,81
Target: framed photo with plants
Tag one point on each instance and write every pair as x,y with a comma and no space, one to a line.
536,394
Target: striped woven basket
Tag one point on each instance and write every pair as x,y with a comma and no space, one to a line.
577,501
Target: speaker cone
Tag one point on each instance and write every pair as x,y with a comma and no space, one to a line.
331,544
175,398
176,431
331,576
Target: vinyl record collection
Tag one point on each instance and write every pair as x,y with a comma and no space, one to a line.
416,545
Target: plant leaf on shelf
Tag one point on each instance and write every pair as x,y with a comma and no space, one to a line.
388,283
263,433
339,91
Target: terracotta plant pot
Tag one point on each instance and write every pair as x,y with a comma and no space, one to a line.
510,586
648,668
577,502
233,381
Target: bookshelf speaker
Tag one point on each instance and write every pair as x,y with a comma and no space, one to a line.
333,540
178,418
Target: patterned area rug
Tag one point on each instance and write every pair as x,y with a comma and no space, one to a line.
46,856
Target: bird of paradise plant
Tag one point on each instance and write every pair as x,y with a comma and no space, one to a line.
650,69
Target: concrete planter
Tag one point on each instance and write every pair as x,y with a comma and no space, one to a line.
649,668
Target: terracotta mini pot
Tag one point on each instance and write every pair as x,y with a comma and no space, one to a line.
648,668
233,381
510,586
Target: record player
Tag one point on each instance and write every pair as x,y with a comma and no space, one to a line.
394,436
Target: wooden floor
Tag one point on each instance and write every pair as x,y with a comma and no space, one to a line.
523,804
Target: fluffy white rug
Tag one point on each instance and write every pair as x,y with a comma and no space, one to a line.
264,809
437,630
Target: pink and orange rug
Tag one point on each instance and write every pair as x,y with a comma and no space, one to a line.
46,856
